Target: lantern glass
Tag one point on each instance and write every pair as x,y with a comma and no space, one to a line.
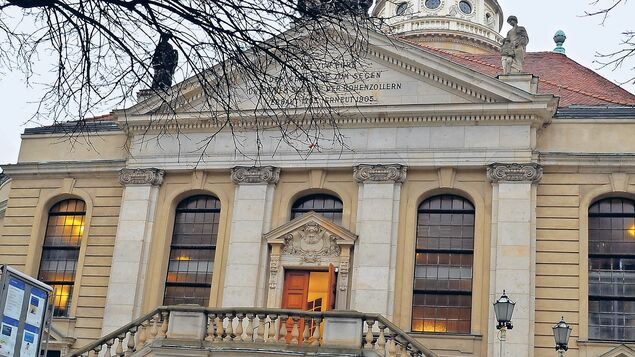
561,333
504,309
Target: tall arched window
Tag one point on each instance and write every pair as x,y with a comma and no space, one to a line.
328,206
612,270
64,231
192,251
442,295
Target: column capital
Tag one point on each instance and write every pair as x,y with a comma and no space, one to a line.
253,174
379,173
151,176
529,172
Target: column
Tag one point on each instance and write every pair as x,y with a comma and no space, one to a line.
373,279
132,246
246,270
513,252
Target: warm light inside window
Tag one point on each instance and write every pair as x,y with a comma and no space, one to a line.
183,258
631,231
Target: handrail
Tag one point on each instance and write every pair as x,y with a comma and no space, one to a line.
218,330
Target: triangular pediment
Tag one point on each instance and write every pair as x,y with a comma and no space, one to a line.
311,227
393,73
620,351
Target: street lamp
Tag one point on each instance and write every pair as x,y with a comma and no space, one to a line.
504,309
561,333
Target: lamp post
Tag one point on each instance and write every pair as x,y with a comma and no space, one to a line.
561,333
504,309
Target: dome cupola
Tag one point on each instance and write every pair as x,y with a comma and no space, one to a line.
470,26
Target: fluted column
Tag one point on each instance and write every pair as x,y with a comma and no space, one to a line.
246,270
132,246
513,252
373,278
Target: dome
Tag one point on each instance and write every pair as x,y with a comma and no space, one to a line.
468,26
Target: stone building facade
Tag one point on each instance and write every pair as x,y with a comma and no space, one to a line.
459,183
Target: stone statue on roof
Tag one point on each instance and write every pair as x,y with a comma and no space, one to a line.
164,63
514,47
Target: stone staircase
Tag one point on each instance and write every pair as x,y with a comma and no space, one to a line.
231,332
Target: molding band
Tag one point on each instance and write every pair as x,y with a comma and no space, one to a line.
530,172
255,175
379,173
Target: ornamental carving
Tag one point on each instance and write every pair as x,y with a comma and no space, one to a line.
152,177
311,243
379,173
264,174
514,172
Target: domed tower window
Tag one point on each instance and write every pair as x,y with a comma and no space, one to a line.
433,4
401,9
465,7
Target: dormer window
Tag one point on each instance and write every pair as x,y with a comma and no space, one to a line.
401,9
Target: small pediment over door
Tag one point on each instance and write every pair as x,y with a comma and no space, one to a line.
310,242
311,239
620,351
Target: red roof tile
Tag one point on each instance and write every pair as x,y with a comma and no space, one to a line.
559,75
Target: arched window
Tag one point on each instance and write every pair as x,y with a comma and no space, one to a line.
192,251
328,206
64,231
612,270
442,295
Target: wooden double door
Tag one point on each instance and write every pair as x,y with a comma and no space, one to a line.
308,291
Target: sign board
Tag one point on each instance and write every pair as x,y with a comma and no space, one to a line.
23,306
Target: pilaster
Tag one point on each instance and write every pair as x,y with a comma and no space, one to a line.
513,252
245,274
132,246
373,278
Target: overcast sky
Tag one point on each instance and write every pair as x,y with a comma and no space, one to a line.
542,18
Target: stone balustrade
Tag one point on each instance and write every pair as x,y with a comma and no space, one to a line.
255,329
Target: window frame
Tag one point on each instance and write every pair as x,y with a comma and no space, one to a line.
462,252
211,247
604,255
295,212
74,285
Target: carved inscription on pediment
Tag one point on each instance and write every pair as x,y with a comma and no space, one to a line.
311,242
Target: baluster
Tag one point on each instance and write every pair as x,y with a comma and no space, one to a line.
230,328
154,330
142,333
239,328
119,350
392,348
306,333
315,339
97,350
283,329
211,321
260,337
295,332
164,325
272,336
250,327
369,334
131,339
220,330
404,350
380,345
109,344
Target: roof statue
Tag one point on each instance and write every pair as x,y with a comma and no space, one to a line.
341,7
164,63
559,39
514,47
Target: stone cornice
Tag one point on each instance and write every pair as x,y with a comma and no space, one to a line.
255,175
152,177
379,173
62,167
530,172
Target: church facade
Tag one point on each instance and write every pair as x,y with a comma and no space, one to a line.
459,182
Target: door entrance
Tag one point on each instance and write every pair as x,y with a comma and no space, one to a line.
308,291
